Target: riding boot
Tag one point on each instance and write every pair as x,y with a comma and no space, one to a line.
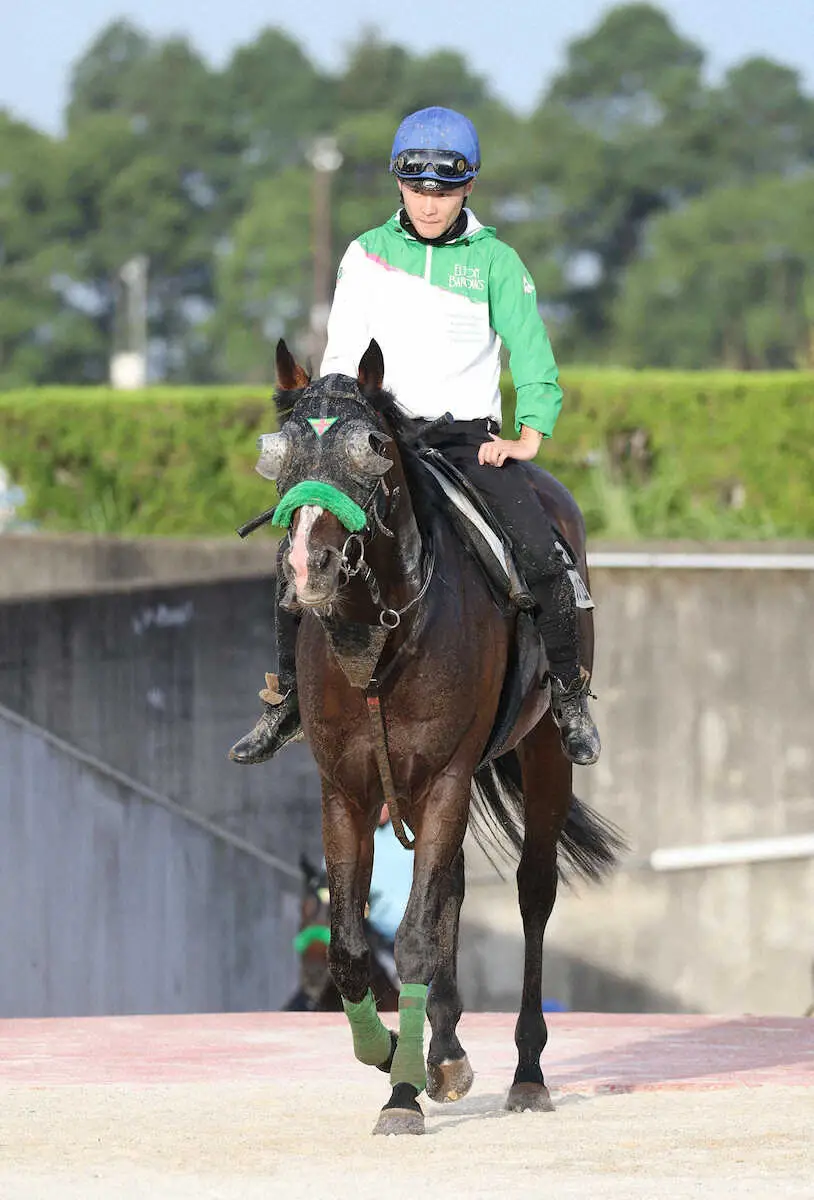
569,707
279,722
557,624
277,725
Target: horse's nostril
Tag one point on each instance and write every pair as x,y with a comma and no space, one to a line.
322,559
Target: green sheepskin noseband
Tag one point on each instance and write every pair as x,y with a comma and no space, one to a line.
325,495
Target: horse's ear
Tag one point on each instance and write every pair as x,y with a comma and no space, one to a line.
290,374
371,369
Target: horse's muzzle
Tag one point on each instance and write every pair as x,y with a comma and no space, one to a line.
323,577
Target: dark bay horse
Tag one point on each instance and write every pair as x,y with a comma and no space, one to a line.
401,657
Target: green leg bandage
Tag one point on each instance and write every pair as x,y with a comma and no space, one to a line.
408,1062
371,1040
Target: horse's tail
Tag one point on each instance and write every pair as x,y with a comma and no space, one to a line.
496,812
589,846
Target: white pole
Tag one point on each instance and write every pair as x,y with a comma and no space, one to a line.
676,561
128,362
721,854
326,158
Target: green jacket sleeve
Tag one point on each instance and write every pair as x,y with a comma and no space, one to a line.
514,317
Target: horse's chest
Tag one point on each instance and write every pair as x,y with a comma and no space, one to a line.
421,712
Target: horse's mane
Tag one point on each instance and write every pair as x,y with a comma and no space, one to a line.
285,401
407,434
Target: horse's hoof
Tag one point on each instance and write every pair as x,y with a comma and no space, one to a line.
529,1097
449,1080
402,1113
399,1121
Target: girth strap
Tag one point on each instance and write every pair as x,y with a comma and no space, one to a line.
374,712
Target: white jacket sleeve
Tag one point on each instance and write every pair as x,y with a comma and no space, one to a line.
348,334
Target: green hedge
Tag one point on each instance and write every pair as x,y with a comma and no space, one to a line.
170,461
647,454
707,455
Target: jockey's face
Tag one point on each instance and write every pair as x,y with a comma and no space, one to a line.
432,213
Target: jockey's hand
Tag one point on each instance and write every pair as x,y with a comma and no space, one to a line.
495,452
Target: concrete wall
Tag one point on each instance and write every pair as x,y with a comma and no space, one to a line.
728,939
706,702
706,708
48,564
159,683
114,901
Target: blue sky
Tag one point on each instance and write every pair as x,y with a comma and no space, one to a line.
518,44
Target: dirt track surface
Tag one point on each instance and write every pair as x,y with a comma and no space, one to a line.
255,1106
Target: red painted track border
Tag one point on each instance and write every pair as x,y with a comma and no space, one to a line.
586,1052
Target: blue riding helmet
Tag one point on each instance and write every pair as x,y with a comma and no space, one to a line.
436,144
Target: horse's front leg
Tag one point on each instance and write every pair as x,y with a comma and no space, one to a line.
348,841
439,834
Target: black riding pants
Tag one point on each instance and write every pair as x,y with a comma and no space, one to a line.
508,492
287,625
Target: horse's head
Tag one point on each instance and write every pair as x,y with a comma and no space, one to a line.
329,468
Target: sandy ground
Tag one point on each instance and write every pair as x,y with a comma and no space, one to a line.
224,1141
221,1107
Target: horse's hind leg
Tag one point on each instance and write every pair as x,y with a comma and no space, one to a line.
547,791
449,1075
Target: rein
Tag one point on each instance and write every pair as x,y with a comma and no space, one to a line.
353,563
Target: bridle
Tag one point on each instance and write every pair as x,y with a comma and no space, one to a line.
389,618
379,508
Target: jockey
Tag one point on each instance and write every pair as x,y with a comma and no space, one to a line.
440,293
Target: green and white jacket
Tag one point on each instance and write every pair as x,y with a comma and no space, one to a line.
440,315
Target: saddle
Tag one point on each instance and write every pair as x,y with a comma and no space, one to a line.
481,533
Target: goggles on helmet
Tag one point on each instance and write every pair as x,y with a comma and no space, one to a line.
445,164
